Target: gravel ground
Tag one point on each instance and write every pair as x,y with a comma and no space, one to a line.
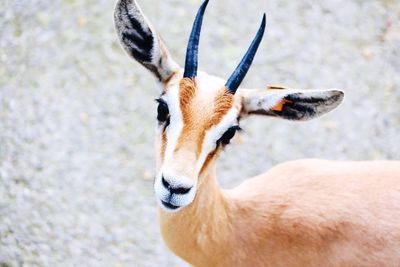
77,115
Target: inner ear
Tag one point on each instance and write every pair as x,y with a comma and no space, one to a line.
305,106
281,105
141,41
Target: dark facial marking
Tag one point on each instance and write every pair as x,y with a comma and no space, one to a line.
162,110
228,135
163,115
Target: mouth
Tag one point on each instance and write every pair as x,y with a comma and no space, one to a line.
169,205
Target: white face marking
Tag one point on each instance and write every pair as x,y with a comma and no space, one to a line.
173,132
213,134
176,125
209,144
174,175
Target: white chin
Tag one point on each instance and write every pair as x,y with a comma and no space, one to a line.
168,207
174,203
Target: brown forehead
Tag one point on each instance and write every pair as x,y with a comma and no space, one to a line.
200,113
209,110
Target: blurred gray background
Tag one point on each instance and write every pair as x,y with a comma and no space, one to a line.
77,115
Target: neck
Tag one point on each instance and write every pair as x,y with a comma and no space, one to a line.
201,227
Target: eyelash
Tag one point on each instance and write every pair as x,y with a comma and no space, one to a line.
228,135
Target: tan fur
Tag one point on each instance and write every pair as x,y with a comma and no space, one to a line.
310,213
302,213
163,145
196,119
186,94
223,103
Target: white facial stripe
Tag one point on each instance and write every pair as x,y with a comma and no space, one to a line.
173,132
159,86
176,123
213,134
176,178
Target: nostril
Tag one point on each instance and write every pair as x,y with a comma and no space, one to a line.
165,183
180,190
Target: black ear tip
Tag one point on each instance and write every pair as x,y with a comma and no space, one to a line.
339,94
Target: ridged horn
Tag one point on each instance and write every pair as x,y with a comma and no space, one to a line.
240,72
193,45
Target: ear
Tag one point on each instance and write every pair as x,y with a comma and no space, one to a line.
141,41
290,104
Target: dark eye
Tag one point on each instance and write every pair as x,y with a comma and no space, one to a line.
162,111
228,135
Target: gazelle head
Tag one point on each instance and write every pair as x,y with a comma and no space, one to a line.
198,114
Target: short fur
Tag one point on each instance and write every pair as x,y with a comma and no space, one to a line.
303,213
193,124
141,41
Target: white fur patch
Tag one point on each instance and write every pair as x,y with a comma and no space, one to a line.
176,124
163,194
174,179
174,131
265,100
213,134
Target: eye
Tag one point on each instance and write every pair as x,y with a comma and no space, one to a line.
228,135
162,111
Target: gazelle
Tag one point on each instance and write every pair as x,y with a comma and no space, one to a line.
301,213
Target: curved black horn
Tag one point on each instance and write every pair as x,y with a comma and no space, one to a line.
193,45
238,75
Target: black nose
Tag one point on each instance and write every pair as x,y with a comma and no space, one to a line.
179,190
